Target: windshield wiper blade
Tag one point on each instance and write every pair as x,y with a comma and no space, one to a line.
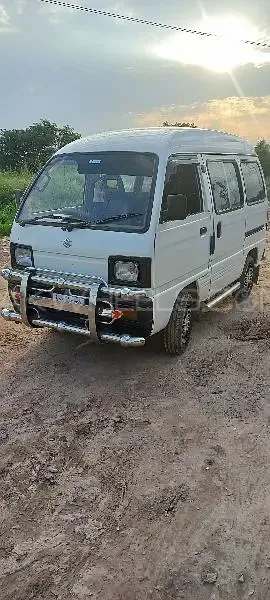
117,218
63,218
40,218
69,222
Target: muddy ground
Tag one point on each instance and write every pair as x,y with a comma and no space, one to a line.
131,475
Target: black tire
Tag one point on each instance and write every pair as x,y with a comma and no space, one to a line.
246,281
178,331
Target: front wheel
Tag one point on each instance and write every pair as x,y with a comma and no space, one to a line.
246,281
178,331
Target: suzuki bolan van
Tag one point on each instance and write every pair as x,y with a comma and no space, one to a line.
123,235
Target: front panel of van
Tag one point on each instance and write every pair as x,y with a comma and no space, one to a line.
79,251
82,246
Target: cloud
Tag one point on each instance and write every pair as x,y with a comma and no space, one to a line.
59,14
4,19
221,54
56,14
247,116
20,6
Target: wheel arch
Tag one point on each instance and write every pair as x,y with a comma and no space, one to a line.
194,290
253,253
163,310
178,330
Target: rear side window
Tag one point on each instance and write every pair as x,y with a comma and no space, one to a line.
254,185
184,180
226,185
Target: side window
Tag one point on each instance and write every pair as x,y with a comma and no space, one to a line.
147,184
226,185
253,182
138,184
236,195
184,180
129,182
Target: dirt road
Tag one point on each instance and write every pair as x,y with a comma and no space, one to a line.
130,475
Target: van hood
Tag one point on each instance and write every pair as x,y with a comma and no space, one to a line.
81,251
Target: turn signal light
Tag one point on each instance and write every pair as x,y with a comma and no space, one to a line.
117,314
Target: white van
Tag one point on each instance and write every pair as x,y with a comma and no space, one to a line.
123,235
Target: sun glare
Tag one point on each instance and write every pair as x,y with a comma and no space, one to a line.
221,55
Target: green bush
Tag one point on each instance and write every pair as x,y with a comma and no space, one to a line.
7,214
10,181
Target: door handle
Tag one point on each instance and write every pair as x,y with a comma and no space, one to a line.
203,230
219,229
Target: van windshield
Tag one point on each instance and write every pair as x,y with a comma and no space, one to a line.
103,190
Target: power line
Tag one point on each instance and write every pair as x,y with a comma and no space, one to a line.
105,13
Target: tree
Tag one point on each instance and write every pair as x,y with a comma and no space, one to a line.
30,148
263,151
178,124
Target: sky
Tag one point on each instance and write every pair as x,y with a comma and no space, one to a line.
96,73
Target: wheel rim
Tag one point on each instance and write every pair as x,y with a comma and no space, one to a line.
186,326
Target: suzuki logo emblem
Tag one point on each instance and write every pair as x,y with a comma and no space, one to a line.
67,243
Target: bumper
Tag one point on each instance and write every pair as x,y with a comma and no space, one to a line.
73,303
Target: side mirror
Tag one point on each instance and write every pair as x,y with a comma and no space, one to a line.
17,195
177,207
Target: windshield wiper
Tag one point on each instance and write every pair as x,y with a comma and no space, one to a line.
66,220
69,222
41,217
117,218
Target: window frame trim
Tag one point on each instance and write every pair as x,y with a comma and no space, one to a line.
256,162
185,159
233,160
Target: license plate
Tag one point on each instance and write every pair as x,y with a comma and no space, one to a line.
67,299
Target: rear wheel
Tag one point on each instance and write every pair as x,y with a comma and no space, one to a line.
178,331
247,280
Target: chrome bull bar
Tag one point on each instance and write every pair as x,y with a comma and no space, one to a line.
91,286
34,277
11,315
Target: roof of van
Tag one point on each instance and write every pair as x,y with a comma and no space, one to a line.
162,140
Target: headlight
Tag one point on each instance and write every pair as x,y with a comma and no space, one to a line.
23,256
126,271
134,270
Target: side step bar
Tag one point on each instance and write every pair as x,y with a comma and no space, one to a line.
222,296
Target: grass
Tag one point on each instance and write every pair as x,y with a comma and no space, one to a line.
10,181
